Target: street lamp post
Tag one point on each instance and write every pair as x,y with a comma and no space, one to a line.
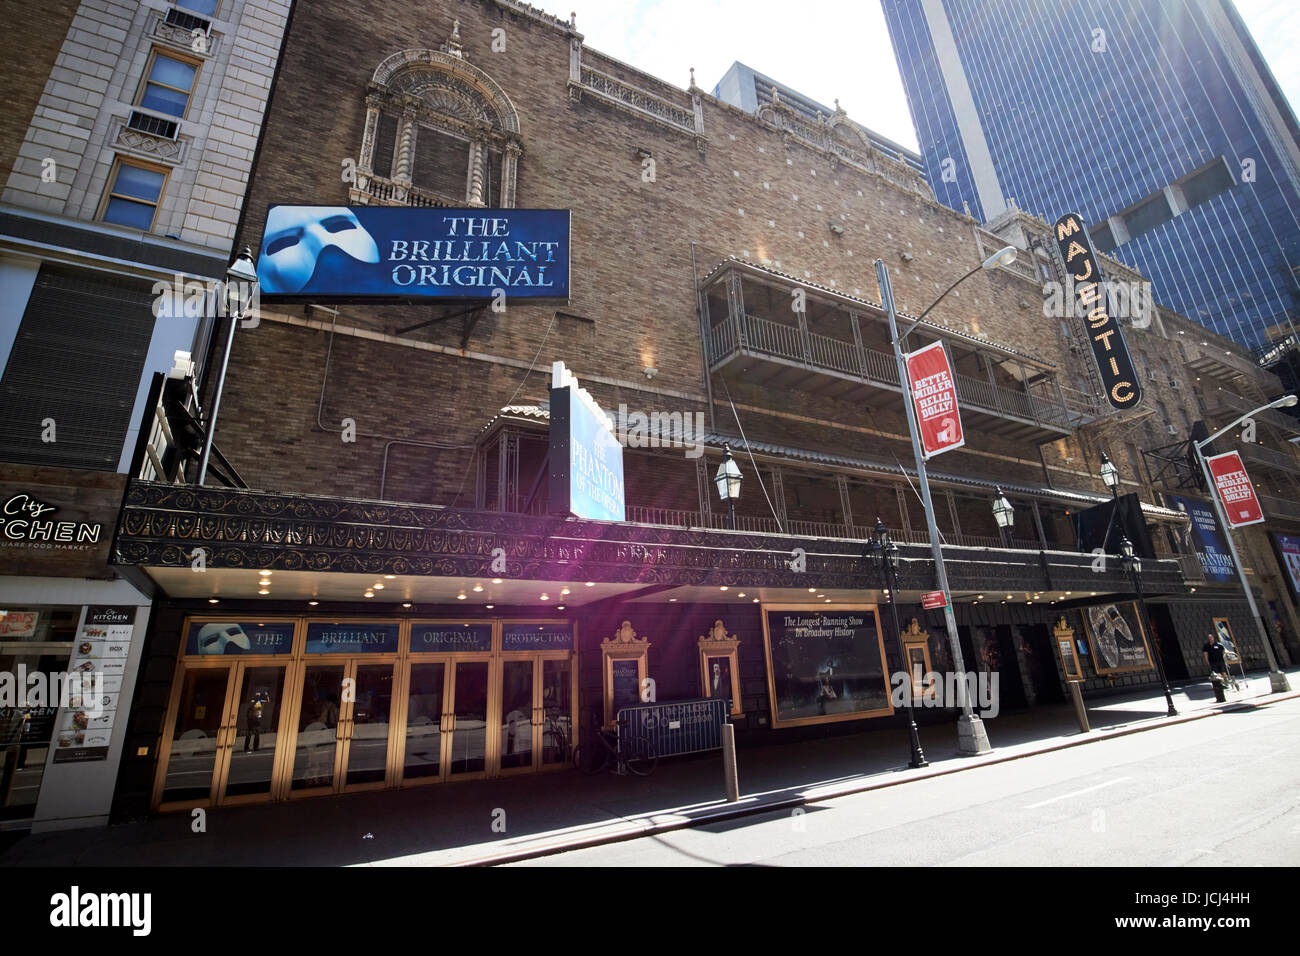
1278,682
1005,516
728,479
887,551
241,271
1133,565
971,737
1110,475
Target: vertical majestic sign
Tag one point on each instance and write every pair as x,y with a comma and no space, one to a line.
934,395
1109,350
1235,490
586,460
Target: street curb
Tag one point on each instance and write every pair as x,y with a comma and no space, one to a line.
636,830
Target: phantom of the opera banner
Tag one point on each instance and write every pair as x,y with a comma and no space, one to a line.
824,665
1117,638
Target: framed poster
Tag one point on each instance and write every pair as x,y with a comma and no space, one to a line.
824,665
1117,638
720,666
916,646
1063,635
1224,632
625,664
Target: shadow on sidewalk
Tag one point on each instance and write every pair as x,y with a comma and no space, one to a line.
461,821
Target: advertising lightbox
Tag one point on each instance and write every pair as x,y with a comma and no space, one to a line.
399,253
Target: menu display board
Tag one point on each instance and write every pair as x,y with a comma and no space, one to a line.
1117,637
824,665
85,727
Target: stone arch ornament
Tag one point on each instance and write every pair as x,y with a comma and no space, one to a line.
441,90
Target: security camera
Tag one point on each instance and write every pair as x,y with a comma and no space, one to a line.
651,371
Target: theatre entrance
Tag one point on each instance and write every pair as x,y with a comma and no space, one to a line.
287,708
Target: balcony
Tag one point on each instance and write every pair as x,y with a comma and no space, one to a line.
1278,461
788,356
1275,507
1223,402
371,190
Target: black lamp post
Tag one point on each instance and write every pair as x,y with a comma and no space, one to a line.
1133,565
1005,515
887,552
242,272
728,479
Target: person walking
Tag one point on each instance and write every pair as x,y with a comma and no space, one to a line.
1216,657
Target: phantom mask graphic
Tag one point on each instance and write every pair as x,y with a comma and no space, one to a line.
297,235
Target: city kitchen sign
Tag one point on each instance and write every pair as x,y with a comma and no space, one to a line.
57,522
1118,376
398,253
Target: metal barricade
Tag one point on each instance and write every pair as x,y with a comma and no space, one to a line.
677,727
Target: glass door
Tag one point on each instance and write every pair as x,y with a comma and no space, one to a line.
426,720
467,735
556,708
249,755
318,742
367,718
519,718
198,734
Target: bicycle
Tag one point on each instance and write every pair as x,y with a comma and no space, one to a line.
558,732
639,757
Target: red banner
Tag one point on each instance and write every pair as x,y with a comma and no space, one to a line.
1235,490
934,394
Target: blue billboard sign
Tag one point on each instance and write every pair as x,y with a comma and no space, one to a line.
232,637
351,638
586,459
537,637
443,637
1203,537
347,253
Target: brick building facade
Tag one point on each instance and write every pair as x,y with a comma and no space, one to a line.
722,263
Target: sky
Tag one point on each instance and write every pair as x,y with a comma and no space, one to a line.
824,48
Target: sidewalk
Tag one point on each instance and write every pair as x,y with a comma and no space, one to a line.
541,813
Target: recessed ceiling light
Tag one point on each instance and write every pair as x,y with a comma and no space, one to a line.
1008,597
828,600
565,590
263,591
406,604
722,587
545,597
265,574
212,600
812,590
265,582
755,600
559,607
460,596
496,580
370,594
672,600
489,606
591,584
821,595
741,594
313,603
378,586
478,587
390,577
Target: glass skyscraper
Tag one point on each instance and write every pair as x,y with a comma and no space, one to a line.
1158,120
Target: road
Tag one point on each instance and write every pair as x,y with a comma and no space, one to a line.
1221,792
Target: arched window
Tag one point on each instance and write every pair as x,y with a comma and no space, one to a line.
439,132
